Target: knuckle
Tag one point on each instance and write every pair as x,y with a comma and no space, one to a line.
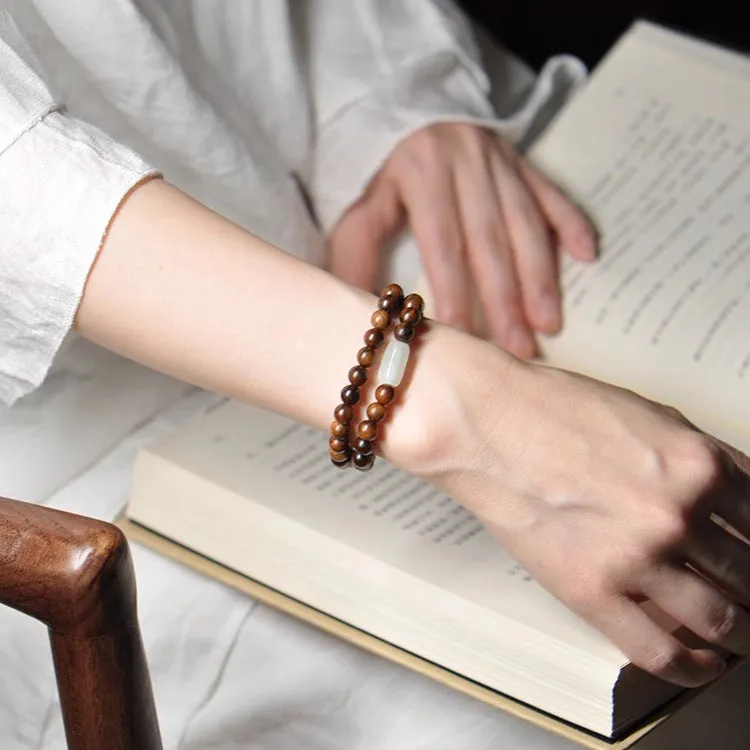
511,156
513,316
544,287
489,235
636,562
589,596
674,413
663,660
721,624
725,568
666,520
702,463
473,143
426,144
672,529
527,212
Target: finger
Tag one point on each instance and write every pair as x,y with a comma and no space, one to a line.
533,251
740,459
575,231
356,243
723,558
647,645
429,197
704,610
491,261
732,504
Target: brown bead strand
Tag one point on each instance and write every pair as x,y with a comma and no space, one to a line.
339,444
411,310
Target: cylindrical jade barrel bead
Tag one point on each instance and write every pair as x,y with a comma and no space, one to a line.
393,364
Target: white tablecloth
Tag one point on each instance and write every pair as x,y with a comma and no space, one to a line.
229,673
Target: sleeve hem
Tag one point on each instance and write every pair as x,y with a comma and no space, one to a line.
353,146
66,182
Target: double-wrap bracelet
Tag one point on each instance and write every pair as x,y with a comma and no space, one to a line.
358,452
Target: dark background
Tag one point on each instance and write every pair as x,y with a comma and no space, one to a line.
537,29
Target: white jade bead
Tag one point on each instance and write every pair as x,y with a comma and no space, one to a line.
393,364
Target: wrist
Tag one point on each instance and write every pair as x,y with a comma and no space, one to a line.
454,388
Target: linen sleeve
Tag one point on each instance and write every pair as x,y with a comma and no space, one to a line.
378,70
61,182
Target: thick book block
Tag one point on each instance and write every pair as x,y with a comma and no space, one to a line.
363,640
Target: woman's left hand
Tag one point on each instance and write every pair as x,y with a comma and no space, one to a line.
480,214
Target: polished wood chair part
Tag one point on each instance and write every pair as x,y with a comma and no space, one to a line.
76,575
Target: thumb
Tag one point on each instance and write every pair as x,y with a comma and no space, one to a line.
357,240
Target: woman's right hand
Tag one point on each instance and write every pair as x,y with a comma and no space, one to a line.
606,498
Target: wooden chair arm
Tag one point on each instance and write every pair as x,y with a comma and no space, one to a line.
75,574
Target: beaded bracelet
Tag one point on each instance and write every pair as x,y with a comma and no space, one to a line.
390,374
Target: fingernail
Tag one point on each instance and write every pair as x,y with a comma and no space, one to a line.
548,314
587,243
707,673
719,668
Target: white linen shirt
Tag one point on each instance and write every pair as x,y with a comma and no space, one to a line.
247,106
275,113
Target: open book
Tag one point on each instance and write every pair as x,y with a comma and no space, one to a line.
657,148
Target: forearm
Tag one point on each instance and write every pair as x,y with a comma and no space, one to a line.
186,292
600,495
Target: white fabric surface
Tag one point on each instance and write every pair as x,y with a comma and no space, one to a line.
230,674
239,104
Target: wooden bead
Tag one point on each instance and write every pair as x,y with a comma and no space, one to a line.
389,304
375,412
410,316
363,462
366,356
338,429
384,394
403,333
343,413
392,290
394,295
340,455
381,319
360,453
367,430
414,302
338,444
341,463
373,338
362,446
358,376
350,394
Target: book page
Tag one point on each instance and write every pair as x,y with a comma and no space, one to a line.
385,513
657,150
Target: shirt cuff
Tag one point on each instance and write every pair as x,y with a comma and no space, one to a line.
62,182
